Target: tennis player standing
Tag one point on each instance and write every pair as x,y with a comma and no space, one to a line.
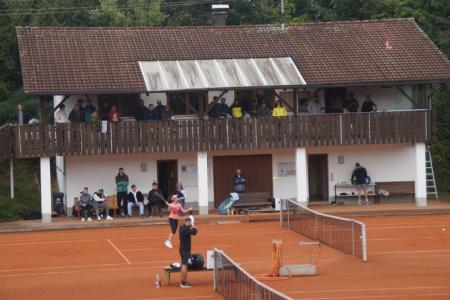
186,231
175,209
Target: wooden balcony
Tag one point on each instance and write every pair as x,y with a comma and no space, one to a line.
398,127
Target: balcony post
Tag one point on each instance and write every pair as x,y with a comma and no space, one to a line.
11,176
421,177
46,190
202,176
301,177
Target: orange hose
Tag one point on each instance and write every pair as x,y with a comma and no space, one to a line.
277,247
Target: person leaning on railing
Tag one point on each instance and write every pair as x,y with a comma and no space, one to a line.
20,116
279,110
236,110
60,115
263,110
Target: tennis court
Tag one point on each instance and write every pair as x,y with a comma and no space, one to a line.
408,258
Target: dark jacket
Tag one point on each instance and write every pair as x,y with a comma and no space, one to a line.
26,118
87,112
76,117
155,197
185,237
223,110
353,105
141,113
84,199
159,109
367,106
239,184
122,183
166,115
151,115
359,175
139,196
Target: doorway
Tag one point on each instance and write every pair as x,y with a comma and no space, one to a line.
318,177
257,170
335,99
167,176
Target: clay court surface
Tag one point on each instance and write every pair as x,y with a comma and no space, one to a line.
409,258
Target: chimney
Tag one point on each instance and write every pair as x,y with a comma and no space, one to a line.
220,12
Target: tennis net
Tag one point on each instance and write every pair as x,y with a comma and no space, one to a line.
346,235
231,281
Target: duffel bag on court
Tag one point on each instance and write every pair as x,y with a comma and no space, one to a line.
197,261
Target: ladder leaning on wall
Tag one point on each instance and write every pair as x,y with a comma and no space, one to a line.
431,181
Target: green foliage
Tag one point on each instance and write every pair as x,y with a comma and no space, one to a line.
25,200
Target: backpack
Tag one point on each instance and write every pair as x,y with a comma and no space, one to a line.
197,261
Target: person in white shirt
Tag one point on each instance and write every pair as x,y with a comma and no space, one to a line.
60,115
314,106
135,198
100,202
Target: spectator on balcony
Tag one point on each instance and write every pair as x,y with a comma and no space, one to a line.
122,190
314,106
236,110
214,111
224,109
20,116
114,115
100,202
76,115
60,115
279,110
352,103
88,110
135,198
239,182
151,114
94,117
264,110
368,105
104,112
166,114
155,199
253,108
159,109
141,111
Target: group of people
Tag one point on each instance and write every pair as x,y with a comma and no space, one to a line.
256,108
85,112
152,113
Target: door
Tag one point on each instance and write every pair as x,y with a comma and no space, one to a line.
167,176
335,99
318,177
257,170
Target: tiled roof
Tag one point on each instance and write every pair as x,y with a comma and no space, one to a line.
70,60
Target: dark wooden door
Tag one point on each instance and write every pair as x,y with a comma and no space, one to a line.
167,176
318,177
257,170
335,99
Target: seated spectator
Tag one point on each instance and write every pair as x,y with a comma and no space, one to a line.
135,198
314,106
236,110
20,116
156,200
253,108
60,115
159,109
264,110
166,114
141,111
100,202
223,109
152,115
352,103
85,204
76,115
88,109
279,110
114,115
368,105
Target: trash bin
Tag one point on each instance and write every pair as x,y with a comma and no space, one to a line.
58,203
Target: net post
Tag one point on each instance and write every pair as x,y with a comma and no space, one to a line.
364,241
215,270
288,216
281,212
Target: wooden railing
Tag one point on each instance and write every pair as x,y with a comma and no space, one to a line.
222,134
5,141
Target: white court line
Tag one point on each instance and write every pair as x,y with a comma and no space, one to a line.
406,252
355,297
184,297
372,289
118,251
408,238
407,227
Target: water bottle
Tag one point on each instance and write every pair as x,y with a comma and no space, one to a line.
157,281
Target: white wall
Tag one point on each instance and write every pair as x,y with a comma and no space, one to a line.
383,162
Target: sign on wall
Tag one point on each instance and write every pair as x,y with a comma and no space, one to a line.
286,169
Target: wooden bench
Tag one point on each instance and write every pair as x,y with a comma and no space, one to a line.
396,188
253,201
169,270
110,200
260,211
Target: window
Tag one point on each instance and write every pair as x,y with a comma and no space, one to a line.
187,103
